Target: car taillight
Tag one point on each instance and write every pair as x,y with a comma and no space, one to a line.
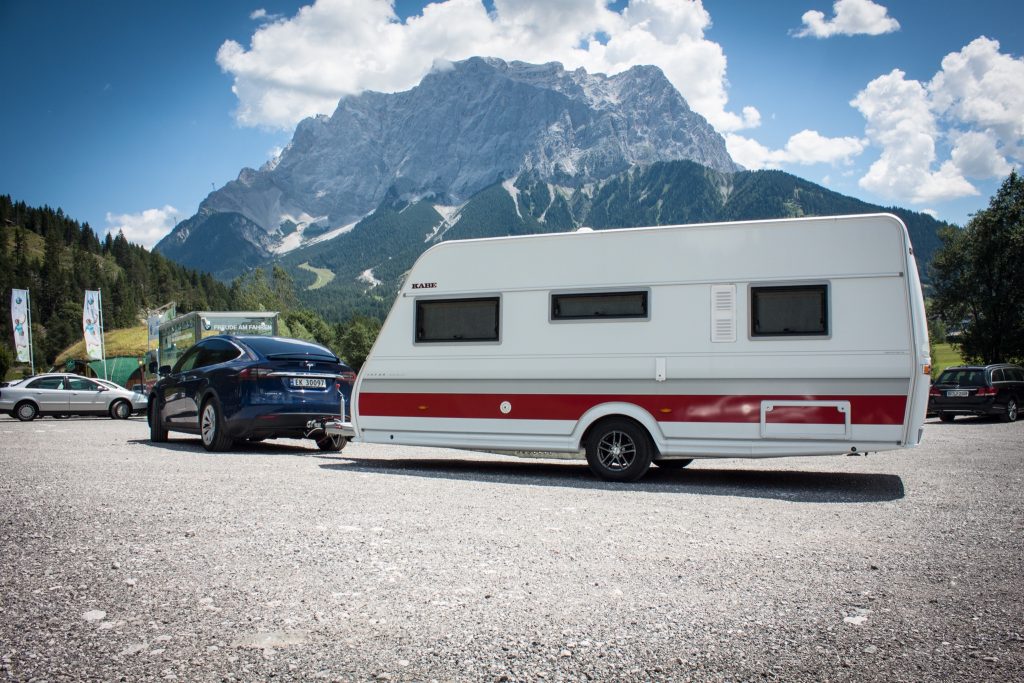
253,374
348,376
934,392
987,391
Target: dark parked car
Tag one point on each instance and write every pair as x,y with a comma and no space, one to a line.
230,388
978,390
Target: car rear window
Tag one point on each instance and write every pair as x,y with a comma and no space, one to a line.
277,347
964,378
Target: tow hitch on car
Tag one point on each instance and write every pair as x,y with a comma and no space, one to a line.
332,427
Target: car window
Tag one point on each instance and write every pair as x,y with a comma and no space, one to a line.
46,383
188,360
81,384
965,377
997,375
280,347
216,351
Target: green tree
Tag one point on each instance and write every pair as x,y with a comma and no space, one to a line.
978,275
356,338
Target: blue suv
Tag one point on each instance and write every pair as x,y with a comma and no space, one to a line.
232,388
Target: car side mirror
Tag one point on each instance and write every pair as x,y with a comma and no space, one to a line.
152,367
164,370
103,388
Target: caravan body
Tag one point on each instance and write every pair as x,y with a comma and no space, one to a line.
751,339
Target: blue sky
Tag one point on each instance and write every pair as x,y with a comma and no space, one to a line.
124,114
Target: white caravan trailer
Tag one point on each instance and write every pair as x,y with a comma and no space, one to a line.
755,339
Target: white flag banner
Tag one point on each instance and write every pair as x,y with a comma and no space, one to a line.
91,325
19,317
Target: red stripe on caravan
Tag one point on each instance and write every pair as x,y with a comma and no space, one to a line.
873,410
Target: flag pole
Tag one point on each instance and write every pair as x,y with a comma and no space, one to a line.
103,341
31,351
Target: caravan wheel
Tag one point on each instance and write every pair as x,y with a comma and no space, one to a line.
619,450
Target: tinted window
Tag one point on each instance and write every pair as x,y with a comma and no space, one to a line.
188,360
216,351
1016,374
279,347
790,311
591,306
80,384
997,375
964,377
457,320
46,383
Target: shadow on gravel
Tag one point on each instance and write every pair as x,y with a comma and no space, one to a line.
270,447
803,487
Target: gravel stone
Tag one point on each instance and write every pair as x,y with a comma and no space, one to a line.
126,560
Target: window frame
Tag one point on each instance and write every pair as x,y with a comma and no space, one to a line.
580,293
418,301
754,288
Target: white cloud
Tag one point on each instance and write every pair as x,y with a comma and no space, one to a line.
301,66
852,17
972,107
145,228
806,148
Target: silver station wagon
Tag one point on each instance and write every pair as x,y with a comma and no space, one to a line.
61,394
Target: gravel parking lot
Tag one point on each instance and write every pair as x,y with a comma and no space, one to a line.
125,560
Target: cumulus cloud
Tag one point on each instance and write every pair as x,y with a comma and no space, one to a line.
145,228
806,148
972,107
852,17
302,65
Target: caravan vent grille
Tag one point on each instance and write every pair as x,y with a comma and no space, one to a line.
723,313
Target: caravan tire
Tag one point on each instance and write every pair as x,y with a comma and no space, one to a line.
672,464
619,450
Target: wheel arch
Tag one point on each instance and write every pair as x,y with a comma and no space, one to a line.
628,411
23,402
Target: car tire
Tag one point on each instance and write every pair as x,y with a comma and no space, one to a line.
1011,411
26,411
120,410
619,450
331,442
212,430
157,432
672,464
947,417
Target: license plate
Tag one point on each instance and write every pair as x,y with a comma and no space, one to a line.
958,393
309,382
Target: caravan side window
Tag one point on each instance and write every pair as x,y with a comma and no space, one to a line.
599,306
457,320
789,311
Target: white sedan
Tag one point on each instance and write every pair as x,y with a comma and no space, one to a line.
61,394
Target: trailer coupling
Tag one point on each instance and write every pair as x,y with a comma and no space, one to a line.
332,427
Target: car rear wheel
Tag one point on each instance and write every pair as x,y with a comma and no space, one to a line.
26,412
1011,411
211,427
619,450
947,417
120,410
331,442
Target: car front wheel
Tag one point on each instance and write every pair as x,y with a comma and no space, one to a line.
157,432
121,410
211,427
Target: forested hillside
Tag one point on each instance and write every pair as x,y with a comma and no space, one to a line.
58,258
